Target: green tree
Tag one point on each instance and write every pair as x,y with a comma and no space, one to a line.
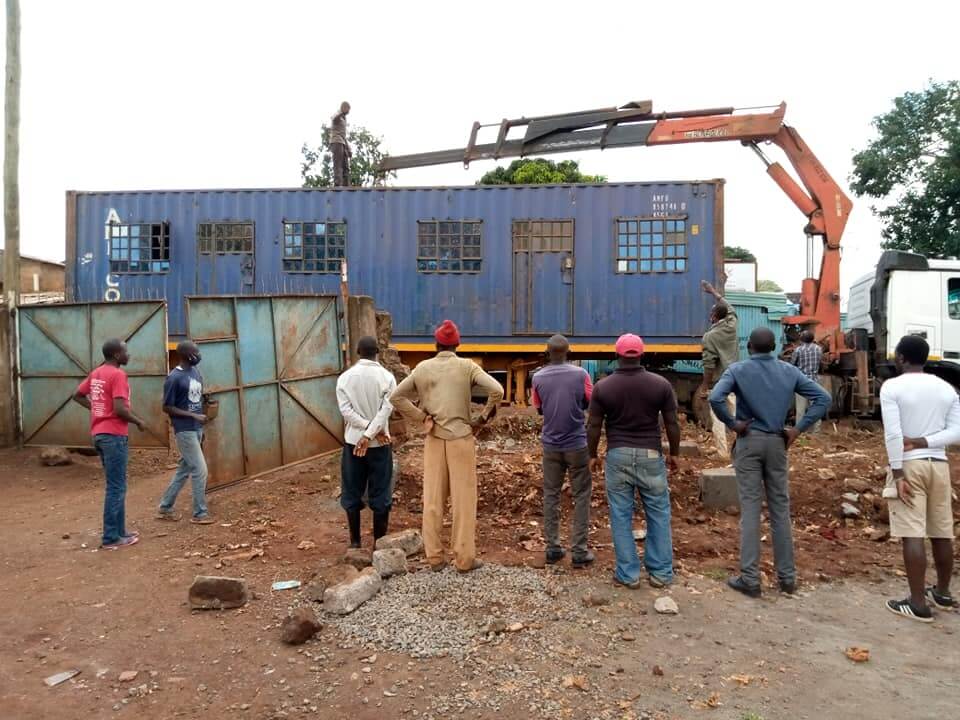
913,165
732,252
538,171
768,286
366,158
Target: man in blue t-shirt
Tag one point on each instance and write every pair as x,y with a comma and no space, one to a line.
183,402
561,393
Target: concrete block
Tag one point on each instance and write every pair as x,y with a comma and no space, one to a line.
718,488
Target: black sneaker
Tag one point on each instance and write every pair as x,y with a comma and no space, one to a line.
944,602
788,588
739,584
906,609
581,561
552,557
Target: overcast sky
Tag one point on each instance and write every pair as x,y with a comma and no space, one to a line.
132,94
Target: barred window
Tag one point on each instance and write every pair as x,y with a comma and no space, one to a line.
314,247
225,237
543,235
650,245
449,246
139,248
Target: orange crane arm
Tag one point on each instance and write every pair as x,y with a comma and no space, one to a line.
821,200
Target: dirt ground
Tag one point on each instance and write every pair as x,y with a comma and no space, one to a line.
64,605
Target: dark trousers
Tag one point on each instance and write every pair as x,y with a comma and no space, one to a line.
370,474
761,462
556,463
341,172
113,452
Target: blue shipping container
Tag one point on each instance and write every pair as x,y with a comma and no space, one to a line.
509,264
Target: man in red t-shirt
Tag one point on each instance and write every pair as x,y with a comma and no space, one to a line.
106,394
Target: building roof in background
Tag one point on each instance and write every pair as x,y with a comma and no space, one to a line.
45,261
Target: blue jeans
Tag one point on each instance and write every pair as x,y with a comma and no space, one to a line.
629,471
112,450
193,465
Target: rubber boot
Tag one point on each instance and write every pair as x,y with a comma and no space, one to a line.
380,522
353,521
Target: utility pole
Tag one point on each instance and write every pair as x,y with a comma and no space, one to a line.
11,159
11,218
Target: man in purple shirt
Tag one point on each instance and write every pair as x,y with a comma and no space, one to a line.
561,393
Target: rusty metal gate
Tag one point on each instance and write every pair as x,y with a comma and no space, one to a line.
60,345
272,363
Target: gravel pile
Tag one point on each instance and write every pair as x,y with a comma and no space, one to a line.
428,614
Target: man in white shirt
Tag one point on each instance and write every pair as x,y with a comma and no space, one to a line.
921,417
366,464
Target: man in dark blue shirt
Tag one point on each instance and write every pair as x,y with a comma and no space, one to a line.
765,389
183,402
561,393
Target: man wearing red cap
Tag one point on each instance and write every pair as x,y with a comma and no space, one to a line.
442,388
630,403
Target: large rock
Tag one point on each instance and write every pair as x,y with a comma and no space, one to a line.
666,605
408,540
346,597
299,626
390,562
718,488
328,577
858,485
210,592
53,456
360,558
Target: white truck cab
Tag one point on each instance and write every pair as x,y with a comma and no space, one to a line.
910,295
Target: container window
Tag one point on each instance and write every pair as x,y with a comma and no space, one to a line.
140,248
449,246
546,235
662,244
314,247
225,238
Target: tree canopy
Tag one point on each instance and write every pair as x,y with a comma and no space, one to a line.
913,167
768,286
366,157
538,171
732,252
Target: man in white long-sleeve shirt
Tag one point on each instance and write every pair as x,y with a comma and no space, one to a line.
921,417
366,464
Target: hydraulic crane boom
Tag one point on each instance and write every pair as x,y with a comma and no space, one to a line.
820,199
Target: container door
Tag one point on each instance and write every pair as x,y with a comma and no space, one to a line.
226,262
543,263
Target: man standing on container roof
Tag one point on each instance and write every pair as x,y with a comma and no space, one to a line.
338,146
721,349
366,463
631,402
561,394
106,394
443,386
765,388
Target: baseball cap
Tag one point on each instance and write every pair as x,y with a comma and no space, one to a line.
629,345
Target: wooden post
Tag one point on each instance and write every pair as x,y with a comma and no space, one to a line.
11,217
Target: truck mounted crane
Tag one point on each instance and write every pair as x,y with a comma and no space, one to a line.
821,200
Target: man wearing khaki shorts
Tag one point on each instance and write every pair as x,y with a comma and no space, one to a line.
921,417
